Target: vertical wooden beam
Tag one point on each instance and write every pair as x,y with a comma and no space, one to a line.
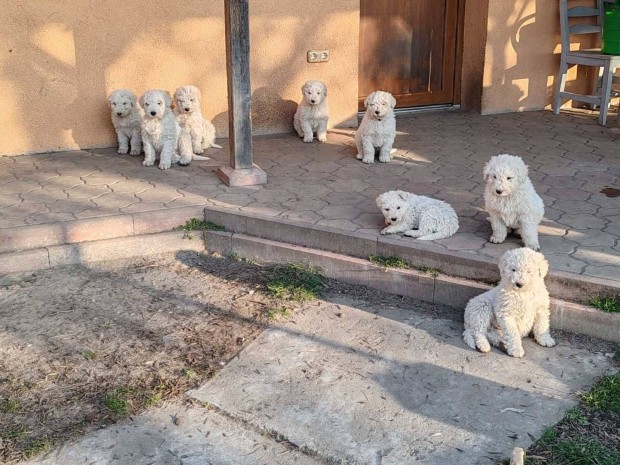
242,171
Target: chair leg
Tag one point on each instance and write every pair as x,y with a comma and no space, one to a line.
605,94
561,83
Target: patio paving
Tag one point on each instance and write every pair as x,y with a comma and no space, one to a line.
574,165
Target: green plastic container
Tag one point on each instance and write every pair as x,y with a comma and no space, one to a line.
611,30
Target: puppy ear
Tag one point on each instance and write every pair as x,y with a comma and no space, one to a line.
141,101
486,172
168,100
366,101
324,89
303,90
502,263
110,100
543,265
403,195
379,201
392,101
198,94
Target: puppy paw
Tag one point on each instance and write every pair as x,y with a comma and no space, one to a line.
148,162
198,150
308,139
545,340
518,352
122,150
134,152
183,162
359,156
164,166
385,231
496,240
322,137
535,247
368,160
483,346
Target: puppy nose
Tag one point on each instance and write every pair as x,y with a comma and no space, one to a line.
312,101
498,191
376,112
394,219
186,109
119,113
519,285
153,113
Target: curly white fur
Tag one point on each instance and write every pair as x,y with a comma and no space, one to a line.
377,129
127,121
511,201
161,134
312,113
510,311
417,216
189,116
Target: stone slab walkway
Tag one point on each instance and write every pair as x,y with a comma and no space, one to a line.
574,164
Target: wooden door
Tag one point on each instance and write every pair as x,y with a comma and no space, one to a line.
408,48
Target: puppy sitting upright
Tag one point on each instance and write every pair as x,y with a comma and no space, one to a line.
161,134
511,201
189,116
510,311
312,113
127,121
377,129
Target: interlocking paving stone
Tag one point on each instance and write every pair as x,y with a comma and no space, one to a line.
571,160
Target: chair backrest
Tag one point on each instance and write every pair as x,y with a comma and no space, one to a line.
592,18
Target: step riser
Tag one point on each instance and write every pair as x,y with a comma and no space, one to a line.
454,292
561,285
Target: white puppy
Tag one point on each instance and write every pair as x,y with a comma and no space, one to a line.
161,134
417,216
312,113
189,115
127,121
511,201
510,311
377,129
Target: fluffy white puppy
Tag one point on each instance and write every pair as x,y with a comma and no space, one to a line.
312,113
510,311
161,134
127,121
511,201
377,129
417,216
189,116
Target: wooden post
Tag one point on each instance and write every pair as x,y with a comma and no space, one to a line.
242,171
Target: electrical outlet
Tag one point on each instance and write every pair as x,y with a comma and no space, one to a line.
318,56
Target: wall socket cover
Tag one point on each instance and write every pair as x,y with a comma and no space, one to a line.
318,56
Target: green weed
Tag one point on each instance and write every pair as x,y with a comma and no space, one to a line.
295,282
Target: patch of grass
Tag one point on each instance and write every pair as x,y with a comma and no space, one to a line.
583,451
14,433
388,262
196,224
35,446
616,357
189,372
605,395
154,399
295,282
238,258
117,403
89,355
607,304
9,406
434,272
575,415
278,312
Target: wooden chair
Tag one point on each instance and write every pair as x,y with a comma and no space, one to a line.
588,57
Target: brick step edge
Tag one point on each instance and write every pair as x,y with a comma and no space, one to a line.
101,250
568,286
441,289
39,236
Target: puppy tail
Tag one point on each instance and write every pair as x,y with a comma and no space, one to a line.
215,146
393,151
199,157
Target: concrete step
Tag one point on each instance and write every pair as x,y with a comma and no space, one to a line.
436,288
567,286
93,229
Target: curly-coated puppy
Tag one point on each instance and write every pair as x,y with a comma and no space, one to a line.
511,201
510,311
161,134
377,129
127,121
312,113
417,216
188,114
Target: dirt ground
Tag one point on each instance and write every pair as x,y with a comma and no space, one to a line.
84,346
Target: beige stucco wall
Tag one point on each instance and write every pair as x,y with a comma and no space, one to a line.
522,56
61,58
